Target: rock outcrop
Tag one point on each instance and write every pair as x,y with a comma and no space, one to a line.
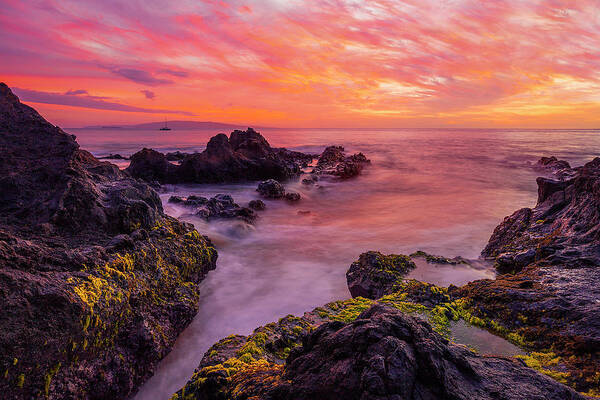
271,189
244,156
333,161
360,349
219,206
96,282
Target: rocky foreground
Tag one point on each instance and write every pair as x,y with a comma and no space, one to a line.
96,282
545,299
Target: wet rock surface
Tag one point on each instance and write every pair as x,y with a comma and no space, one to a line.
376,274
272,189
219,206
243,156
96,282
386,354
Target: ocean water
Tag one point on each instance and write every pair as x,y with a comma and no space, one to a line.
441,191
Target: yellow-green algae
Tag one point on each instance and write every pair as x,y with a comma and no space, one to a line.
162,271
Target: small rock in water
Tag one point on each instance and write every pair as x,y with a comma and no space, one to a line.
271,189
257,205
292,196
303,212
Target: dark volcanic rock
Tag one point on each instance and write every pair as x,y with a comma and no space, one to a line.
333,161
271,189
375,274
150,165
257,205
385,354
245,155
550,284
219,206
292,196
95,281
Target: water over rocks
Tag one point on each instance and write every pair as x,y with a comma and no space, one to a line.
271,189
219,206
334,162
96,282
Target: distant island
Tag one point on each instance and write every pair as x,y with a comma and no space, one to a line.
173,125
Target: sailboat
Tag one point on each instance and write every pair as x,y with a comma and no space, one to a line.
165,128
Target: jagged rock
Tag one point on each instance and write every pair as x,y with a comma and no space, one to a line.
376,274
271,189
292,196
358,349
333,161
257,205
385,354
96,282
245,155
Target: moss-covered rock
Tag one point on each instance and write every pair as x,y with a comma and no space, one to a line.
375,274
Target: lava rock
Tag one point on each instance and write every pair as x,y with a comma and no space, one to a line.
271,189
385,354
333,161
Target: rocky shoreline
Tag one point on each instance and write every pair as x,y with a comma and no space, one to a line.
544,300
96,281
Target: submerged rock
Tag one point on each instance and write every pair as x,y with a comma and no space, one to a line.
257,205
292,196
245,155
375,274
96,282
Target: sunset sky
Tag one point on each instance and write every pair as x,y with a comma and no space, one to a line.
291,63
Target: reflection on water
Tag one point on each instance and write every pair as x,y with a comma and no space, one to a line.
440,191
481,340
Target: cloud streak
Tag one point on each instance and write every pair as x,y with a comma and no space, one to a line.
86,101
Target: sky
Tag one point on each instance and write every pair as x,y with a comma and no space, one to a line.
319,63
